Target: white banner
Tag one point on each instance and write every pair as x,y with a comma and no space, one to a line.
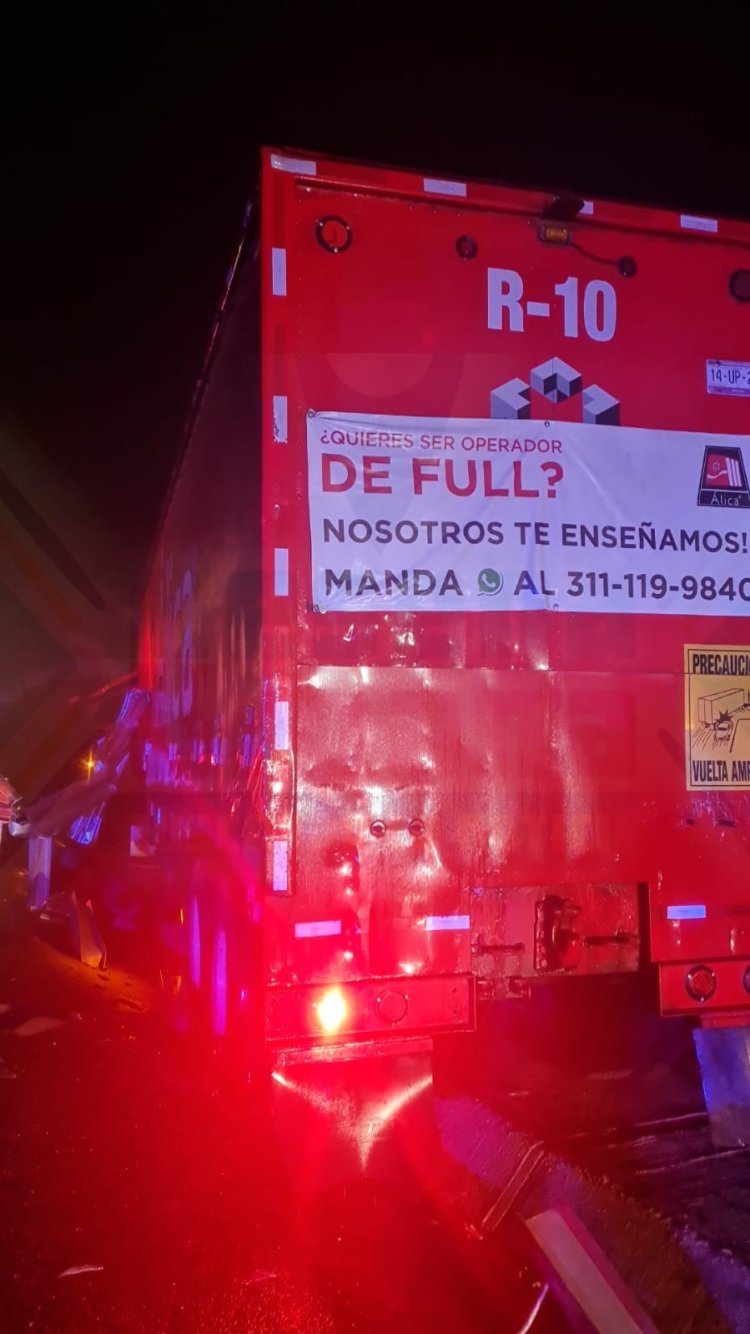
422,514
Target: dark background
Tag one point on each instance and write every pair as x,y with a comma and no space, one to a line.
129,143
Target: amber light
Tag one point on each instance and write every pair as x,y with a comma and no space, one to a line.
332,1010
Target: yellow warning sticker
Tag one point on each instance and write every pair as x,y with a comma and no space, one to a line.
717,716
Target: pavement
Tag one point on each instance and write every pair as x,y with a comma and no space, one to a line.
143,1189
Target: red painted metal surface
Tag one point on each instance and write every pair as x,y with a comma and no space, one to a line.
731,978
398,1007
492,795
537,750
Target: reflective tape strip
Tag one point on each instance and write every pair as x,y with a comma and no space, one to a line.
278,271
281,725
686,912
305,930
586,209
593,1288
298,166
279,418
434,187
698,224
460,922
281,572
280,872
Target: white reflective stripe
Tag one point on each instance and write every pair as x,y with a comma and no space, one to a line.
194,942
40,869
596,1289
219,982
686,912
280,874
279,418
434,187
460,922
304,930
278,271
298,166
586,209
281,725
281,572
698,224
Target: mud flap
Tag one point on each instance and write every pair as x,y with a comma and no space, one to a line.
724,1060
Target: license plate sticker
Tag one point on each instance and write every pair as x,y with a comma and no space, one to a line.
728,377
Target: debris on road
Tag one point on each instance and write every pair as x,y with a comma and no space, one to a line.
31,1028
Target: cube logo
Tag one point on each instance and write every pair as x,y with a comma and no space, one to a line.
723,480
556,381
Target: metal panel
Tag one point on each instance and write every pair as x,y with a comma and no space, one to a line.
438,1004
545,749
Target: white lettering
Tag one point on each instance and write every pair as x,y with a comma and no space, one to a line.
600,311
504,292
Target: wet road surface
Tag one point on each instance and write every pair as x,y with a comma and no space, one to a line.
141,1188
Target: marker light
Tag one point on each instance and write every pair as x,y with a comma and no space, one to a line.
553,233
739,284
333,234
700,983
332,1010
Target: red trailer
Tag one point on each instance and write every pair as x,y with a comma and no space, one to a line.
446,627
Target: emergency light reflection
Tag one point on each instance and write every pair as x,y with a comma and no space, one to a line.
367,1128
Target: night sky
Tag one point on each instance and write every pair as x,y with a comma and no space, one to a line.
130,135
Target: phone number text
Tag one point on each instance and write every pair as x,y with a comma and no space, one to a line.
706,588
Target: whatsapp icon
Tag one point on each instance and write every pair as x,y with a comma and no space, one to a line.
489,581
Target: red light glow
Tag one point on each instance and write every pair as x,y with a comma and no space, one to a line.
333,1010
364,1125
